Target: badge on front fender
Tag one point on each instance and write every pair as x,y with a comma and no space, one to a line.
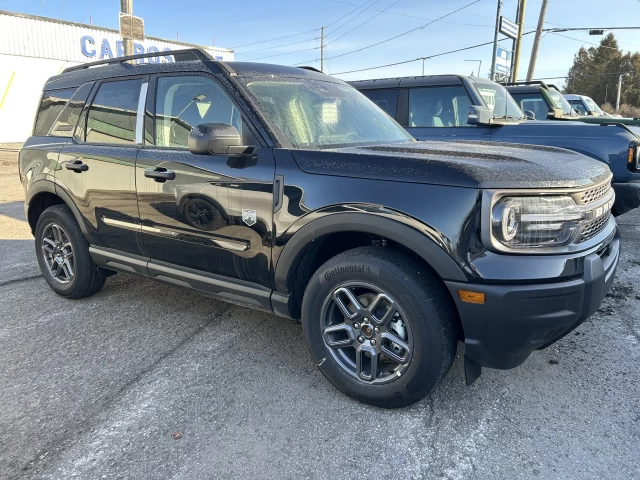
249,216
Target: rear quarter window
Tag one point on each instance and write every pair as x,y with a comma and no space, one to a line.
53,101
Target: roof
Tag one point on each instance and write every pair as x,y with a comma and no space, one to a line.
524,88
409,81
188,60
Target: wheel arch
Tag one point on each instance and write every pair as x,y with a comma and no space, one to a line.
43,194
327,236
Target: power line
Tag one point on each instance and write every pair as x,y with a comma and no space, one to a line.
407,32
278,46
282,54
380,12
429,56
584,41
366,6
358,7
420,18
278,38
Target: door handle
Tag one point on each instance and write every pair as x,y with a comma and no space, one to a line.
159,174
77,166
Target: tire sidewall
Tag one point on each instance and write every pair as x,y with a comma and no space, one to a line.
425,369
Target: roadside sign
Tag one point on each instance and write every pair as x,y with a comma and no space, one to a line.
509,28
503,60
131,27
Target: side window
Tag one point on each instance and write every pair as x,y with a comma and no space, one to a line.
64,125
439,106
53,101
578,106
186,102
533,103
112,116
387,100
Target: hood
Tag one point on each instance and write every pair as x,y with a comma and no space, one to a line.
463,164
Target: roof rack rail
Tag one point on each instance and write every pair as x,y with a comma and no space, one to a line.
532,82
185,55
313,69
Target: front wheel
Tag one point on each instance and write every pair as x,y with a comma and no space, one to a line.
380,329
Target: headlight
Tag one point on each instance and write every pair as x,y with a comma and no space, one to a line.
529,222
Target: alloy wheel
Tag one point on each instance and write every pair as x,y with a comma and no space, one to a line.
366,332
58,253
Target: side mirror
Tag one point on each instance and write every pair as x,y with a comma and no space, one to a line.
217,139
530,115
555,113
479,115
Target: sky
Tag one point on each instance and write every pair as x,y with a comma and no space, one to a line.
252,29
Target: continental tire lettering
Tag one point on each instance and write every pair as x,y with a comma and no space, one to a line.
347,269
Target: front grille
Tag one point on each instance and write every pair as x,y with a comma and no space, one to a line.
535,307
593,228
593,195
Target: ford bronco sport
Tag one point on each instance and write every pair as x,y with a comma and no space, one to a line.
286,190
437,107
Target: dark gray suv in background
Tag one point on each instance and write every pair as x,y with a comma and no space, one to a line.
286,190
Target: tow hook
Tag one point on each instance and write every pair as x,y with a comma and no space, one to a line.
472,371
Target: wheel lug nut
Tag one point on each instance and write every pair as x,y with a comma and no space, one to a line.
373,341
376,329
361,339
356,325
366,320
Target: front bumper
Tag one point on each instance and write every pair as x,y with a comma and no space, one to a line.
517,319
627,197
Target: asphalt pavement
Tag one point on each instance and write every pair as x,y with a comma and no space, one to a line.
143,380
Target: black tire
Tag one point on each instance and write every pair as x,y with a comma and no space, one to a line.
87,278
426,312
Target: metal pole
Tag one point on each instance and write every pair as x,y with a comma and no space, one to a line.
423,59
536,42
606,92
322,50
523,9
495,42
126,6
619,93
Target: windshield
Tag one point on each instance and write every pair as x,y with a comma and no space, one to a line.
318,114
593,106
498,99
560,102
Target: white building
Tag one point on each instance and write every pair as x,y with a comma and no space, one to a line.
32,49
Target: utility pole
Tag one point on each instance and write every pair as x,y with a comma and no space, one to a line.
322,50
536,42
522,7
126,6
423,59
495,42
619,93
479,65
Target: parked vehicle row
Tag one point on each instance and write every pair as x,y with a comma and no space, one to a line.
456,107
286,190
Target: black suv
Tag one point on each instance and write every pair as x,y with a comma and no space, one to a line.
286,190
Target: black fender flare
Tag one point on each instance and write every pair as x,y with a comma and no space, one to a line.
392,228
47,186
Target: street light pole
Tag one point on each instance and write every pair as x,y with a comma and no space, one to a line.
619,93
495,42
521,13
322,50
479,65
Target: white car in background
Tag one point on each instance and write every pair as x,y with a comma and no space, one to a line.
585,106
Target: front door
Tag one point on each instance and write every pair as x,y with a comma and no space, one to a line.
440,113
210,214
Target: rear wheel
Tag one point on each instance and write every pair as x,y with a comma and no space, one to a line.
381,330
63,254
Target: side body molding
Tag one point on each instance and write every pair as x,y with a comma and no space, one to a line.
383,226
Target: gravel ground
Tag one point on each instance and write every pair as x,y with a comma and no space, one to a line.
146,381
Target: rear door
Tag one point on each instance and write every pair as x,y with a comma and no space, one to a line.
98,170
210,214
